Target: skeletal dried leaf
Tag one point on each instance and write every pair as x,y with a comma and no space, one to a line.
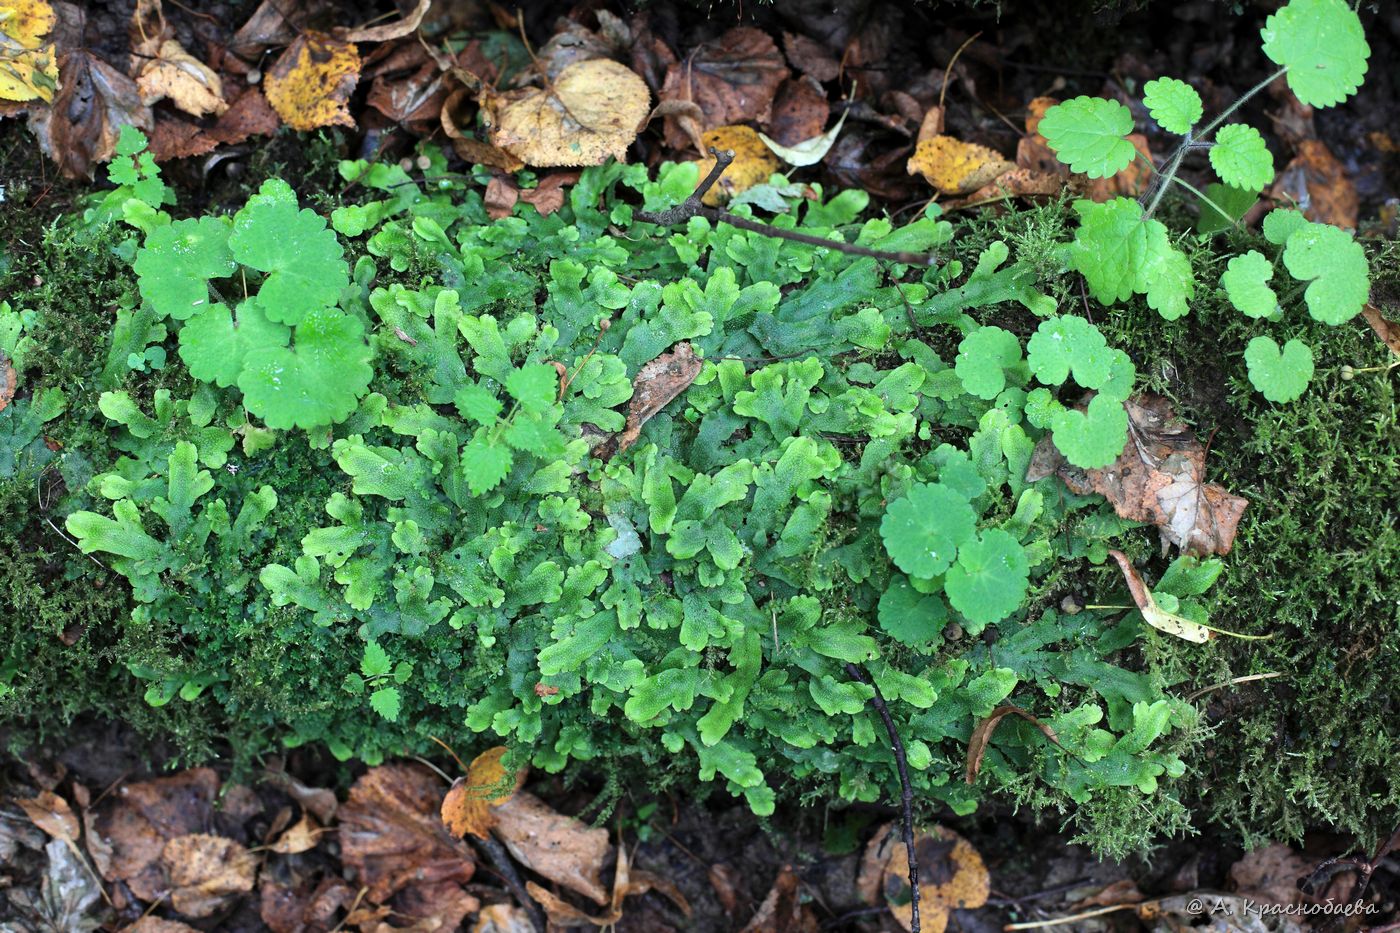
186,81
467,807
656,384
590,112
207,872
312,80
955,167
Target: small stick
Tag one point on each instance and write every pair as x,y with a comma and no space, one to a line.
906,791
1058,921
511,877
692,207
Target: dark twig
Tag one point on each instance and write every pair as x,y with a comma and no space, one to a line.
501,860
692,207
1363,867
906,790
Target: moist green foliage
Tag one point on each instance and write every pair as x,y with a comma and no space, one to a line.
443,545
1122,251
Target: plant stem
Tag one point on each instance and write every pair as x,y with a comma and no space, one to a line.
1164,180
1234,222
1225,114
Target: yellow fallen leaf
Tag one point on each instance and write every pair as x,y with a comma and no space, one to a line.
311,82
188,83
28,67
955,167
592,110
467,806
753,161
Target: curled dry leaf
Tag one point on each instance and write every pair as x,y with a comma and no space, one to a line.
8,381
312,80
127,833
1159,478
753,162
286,910
800,111
249,115
467,807
626,882
955,167
189,84
387,31
982,735
52,814
301,836
320,802
1317,184
207,872
1155,615
590,112
390,834
1387,330
94,101
782,910
564,850
501,194
656,384
409,88
732,79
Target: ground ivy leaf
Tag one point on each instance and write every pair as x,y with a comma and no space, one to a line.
983,357
386,702
1093,438
484,464
1335,266
214,345
1173,103
317,381
910,617
1279,375
375,661
177,261
535,387
1241,158
476,402
1322,45
1088,134
1280,223
305,264
923,530
1246,284
1066,344
989,579
1120,252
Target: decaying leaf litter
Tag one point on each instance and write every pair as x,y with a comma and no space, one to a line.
310,80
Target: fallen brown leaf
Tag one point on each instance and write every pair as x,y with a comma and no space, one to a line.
8,381
561,848
782,910
654,387
548,196
590,112
982,734
151,924
320,802
1270,874
800,111
732,79
301,836
388,31
1387,330
312,80
285,910
94,101
128,831
1159,478
467,806
52,814
810,57
501,194
409,88
1317,184
207,872
626,883
391,836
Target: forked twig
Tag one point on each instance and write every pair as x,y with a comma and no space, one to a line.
901,763
692,207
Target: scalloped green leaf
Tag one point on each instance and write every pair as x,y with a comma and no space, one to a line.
910,617
1173,103
1241,158
1245,281
387,702
535,387
485,465
316,381
214,344
1334,265
175,265
983,358
1066,344
1088,134
1093,438
1280,375
923,529
1280,223
989,580
302,257
1120,252
1322,45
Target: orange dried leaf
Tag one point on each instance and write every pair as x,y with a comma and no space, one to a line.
312,80
952,876
8,381
50,812
467,808
955,167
